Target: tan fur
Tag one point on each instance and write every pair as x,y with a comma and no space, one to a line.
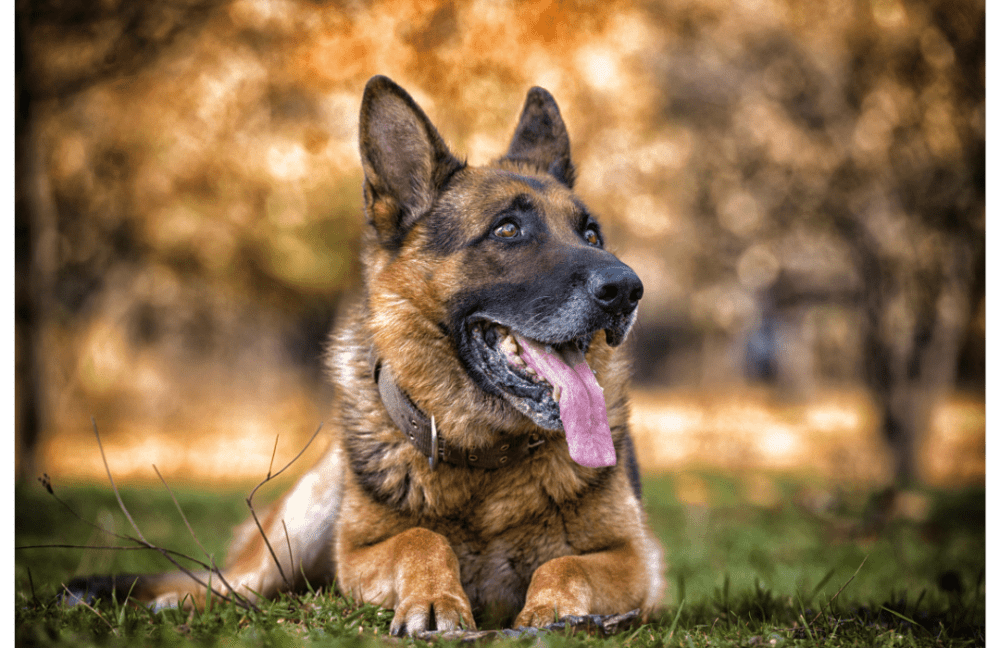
449,546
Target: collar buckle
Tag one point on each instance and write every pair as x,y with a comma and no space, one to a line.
432,459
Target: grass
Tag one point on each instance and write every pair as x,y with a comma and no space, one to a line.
739,574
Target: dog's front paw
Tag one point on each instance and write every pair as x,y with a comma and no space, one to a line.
444,611
558,588
548,610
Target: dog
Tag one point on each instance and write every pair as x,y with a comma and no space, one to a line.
481,470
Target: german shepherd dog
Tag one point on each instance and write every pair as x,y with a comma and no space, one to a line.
481,468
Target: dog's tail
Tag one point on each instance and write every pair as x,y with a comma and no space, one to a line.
171,589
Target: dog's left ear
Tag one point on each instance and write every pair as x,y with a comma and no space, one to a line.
541,139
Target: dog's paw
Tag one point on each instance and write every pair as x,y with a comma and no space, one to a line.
558,588
445,611
547,605
546,612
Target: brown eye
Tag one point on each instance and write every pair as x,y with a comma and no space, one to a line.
507,230
591,236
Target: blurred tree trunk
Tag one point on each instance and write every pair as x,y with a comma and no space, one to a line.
917,314
907,369
135,36
36,240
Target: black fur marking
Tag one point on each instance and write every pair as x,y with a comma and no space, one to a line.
447,231
365,455
600,478
447,235
534,183
627,451
520,203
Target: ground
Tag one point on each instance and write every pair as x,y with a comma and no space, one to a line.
783,570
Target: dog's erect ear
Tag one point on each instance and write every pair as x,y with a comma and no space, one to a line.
541,139
405,161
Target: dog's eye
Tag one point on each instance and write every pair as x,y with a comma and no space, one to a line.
592,237
507,230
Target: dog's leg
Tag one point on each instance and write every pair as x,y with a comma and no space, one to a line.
604,582
308,512
415,573
300,528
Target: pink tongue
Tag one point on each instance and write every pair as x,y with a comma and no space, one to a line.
581,404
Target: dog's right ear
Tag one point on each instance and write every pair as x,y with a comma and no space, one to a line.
405,161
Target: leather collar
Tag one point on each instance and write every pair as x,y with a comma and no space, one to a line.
421,431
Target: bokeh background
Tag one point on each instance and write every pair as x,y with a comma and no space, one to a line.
800,184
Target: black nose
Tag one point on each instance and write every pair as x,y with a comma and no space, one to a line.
615,288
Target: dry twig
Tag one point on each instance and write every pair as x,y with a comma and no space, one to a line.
253,512
212,568
145,543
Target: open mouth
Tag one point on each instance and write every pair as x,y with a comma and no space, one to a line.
551,383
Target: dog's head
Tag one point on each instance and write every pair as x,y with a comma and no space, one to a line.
501,267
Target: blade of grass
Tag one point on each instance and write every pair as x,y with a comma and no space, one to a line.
114,598
822,583
805,625
31,584
302,572
907,619
677,617
288,543
842,587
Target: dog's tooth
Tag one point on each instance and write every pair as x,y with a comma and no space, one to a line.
509,345
556,393
517,360
530,371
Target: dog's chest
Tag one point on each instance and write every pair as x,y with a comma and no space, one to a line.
496,567
502,536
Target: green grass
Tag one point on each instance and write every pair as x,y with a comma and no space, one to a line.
739,575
